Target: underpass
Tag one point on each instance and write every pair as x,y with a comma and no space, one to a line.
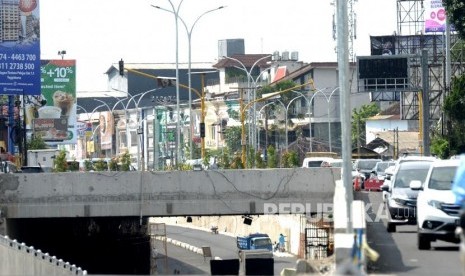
79,216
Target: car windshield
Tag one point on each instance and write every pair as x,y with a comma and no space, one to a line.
262,242
403,177
441,178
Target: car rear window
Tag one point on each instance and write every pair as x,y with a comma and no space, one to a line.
366,164
442,177
314,164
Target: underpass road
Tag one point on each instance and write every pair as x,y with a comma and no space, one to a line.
398,251
222,246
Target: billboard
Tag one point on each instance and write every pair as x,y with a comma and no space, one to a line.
435,16
382,45
56,120
106,127
19,47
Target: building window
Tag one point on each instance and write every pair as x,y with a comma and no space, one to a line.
133,138
122,139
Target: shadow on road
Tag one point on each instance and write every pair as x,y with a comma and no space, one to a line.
390,259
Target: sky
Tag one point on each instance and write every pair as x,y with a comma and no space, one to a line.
98,33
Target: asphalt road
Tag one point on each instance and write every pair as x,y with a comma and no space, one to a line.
222,246
398,251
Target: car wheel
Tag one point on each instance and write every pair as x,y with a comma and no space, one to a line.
391,227
423,242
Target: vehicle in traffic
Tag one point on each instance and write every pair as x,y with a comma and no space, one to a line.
257,241
32,169
316,162
437,213
401,201
365,167
379,170
390,171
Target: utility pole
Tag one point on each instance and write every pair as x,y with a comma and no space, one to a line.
425,101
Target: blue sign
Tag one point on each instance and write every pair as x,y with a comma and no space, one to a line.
20,48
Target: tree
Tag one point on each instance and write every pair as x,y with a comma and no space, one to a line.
59,163
233,135
272,157
125,161
455,10
359,118
454,104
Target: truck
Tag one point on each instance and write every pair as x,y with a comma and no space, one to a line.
255,241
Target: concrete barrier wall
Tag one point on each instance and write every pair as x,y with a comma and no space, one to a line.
162,193
18,259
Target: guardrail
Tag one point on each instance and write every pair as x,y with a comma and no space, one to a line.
20,259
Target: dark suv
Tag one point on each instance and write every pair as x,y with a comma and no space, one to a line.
401,202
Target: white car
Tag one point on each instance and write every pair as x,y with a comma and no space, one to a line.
437,213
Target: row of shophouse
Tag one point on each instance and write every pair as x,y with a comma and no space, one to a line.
140,113
313,117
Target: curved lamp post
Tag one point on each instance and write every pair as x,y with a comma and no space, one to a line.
189,41
287,109
243,109
258,133
136,103
309,102
249,77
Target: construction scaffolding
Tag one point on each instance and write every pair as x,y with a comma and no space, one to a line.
410,41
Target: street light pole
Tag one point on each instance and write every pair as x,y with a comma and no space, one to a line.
287,109
140,165
309,102
175,11
189,41
258,133
249,77
243,109
328,99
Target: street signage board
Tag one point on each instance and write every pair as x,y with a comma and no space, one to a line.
20,47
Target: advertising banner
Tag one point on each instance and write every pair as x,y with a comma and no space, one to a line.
19,47
435,16
59,91
106,126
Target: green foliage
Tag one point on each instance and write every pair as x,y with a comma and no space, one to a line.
101,165
232,136
36,142
185,167
224,160
113,164
59,163
454,104
237,162
73,166
272,157
359,118
455,10
251,158
125,161
259,162
206,159
440,147
290,159
88,166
